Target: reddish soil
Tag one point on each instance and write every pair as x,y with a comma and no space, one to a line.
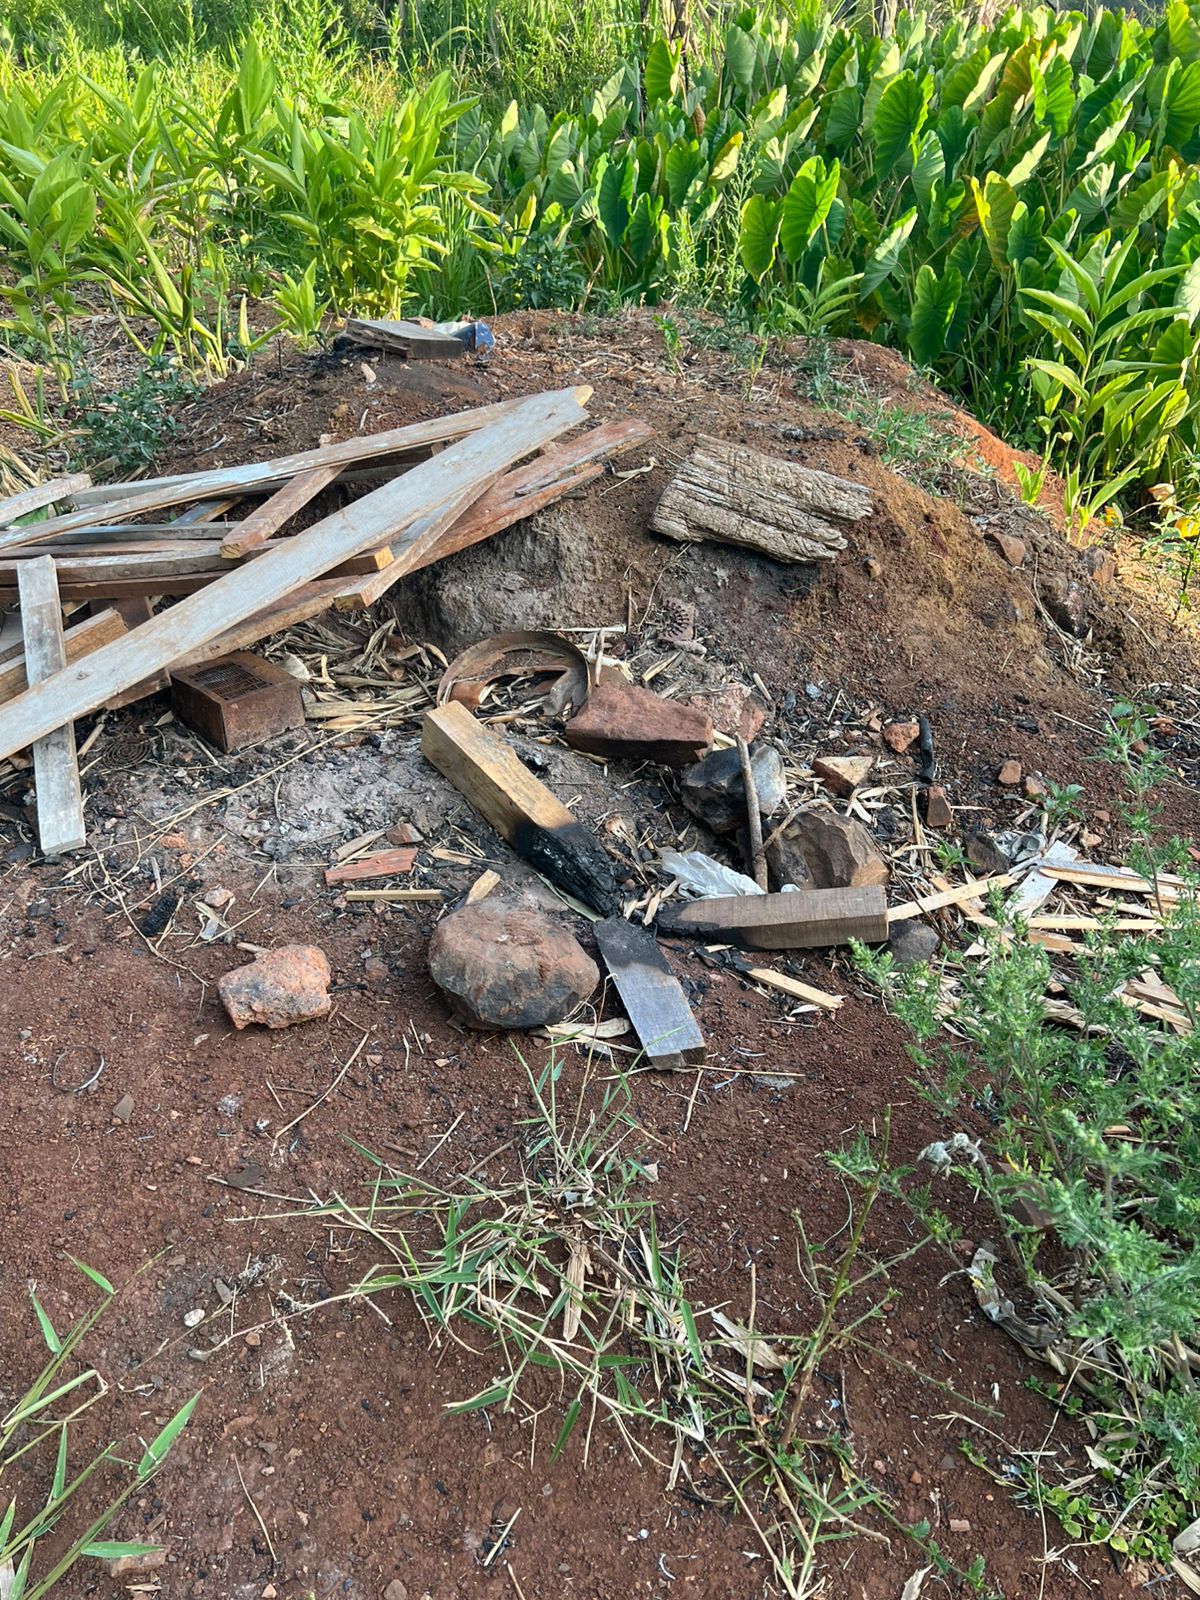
336,1419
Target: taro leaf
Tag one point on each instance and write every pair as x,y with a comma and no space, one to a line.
807,205
662,72
1054,94
929,168
685,162
1187,295
995,202
1181,105
934,303
885,258
643,234
954,130
741,56
842,118
613,201
898,119
1026,163
726,159
1183,32
756,242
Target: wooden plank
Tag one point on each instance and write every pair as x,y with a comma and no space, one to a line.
168,560
1098,875
248,588
256,476
282,506
42,495
805,919
539,827
79,641
135,610
381,864
786,984
395,896
55,769
653,998
85,592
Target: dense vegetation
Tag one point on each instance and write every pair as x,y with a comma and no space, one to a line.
1016,205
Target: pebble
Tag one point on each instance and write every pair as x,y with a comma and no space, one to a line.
252,1339
193,1319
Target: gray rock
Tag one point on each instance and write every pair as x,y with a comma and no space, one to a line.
504,966
911,943
713,789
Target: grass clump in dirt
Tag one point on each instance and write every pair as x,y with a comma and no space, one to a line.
41,1423
1093,1174
564,1269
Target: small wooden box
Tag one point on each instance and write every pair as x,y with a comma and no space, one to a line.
237,700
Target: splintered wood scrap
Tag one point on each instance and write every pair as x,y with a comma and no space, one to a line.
971,893
382,864
55,769
491,776
802,920
652,995
395,896
735,495
793,987
482,887
246,589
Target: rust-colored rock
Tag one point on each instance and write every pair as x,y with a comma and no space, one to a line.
1011,548
1033,788
937,807
1009,773
503,966
276,989
626,721
735,711
839,853
842,774
900,736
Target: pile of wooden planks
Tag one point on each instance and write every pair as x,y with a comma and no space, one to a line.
86,581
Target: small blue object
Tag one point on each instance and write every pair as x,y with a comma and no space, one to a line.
475,336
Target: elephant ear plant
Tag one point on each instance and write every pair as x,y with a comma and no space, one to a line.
40,1423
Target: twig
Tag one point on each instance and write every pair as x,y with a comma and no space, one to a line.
499,1544
257,1515
353,1057
758,858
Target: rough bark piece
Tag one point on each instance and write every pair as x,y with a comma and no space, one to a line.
652,995
809,919
55,769
734,495
539,827
379,864
626,721
840,852
276,989
501,966
842,774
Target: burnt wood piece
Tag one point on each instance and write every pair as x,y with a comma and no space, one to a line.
489,774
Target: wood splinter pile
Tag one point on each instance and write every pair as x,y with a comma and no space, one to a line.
85,579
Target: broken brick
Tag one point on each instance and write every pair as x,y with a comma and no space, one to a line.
278,988
625,720
842,774
1009,773
898,736
937,807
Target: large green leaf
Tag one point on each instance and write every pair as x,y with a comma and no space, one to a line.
934,303
661,78
1054,94
807,205
885,257
615,198
842,117
1183,32
684,164
756,240
898,119
995,202
741,57
929,168
1181,106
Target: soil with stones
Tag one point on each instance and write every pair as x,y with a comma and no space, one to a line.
321,1459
